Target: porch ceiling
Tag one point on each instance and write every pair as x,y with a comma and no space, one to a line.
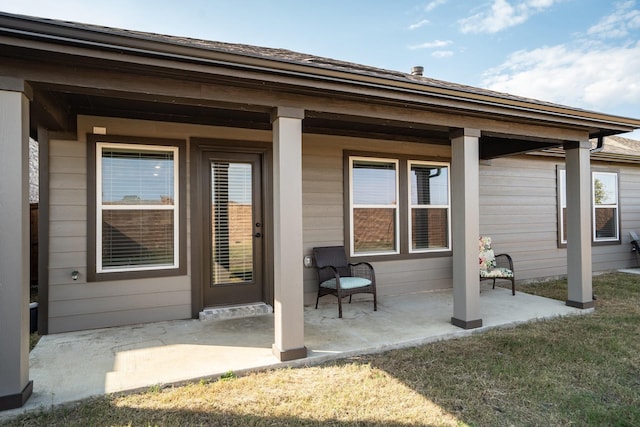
493,146
56,109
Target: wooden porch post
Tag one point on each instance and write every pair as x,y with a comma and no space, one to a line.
465,224
15,387
579,272
287,225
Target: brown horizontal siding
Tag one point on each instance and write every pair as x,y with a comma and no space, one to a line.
86,306
518,209
66,228
70,290
76,305
120,318
323,213
69,213
69,244
522,220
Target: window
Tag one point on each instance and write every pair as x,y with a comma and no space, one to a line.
605,206
139,224
429,206
562,189
374,206
604,201
398,206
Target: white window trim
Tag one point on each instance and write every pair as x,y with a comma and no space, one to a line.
395,206
595,207
410,206
100,207
562,179
562,202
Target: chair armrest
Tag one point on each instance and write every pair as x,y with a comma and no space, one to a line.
504,260
363,269
334,270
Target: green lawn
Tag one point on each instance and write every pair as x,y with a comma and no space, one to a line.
579,371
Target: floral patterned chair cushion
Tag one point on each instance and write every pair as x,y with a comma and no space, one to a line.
498,273
487,257
494,266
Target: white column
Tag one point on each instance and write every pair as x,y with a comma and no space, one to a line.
465,225
287,224
579,272
15,387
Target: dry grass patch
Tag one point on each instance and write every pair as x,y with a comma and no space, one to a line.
349,394
582,370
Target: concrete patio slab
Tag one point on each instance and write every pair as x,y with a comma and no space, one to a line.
72,366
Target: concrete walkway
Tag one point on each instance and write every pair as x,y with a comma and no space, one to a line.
76,365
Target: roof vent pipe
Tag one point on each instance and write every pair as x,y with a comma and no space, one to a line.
417,70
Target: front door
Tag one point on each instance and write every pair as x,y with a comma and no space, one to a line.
233,266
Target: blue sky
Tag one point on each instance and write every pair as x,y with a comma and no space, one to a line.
582,53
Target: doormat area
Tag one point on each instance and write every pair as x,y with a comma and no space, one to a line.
235,311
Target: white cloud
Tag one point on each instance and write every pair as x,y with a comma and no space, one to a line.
540,4
419,24
442,54
601,79
431,45
433,4
502,15
625,18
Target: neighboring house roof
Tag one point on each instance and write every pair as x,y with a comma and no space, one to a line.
621,146
619,149
615,149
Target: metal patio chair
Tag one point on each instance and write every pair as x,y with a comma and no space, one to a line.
493,267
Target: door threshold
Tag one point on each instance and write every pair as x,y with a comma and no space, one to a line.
235,311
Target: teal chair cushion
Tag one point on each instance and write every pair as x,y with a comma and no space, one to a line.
346,283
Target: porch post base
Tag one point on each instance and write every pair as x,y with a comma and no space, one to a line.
14,401
466,324
286,355
581,305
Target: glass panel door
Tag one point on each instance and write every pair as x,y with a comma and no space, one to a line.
232,234
234,237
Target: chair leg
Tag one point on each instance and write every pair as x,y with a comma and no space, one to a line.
317,298
375,302
513,286
339,306
350,298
